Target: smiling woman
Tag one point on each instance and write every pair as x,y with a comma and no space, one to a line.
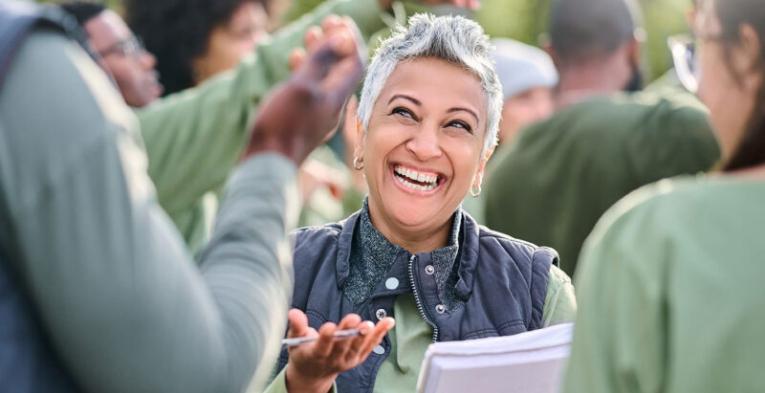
423,150
427,122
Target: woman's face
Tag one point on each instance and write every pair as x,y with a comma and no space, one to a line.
727,77
422,151
230,42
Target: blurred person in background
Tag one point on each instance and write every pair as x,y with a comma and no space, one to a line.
197,39
670,281
560,175
528,77
193,138
119,52
97,291
412,252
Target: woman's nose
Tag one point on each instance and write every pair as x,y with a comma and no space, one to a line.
425,144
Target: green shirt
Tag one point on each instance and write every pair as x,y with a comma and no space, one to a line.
552,184
194,138
670,288
411,336
109,277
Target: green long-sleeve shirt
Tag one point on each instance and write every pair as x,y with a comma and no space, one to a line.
670,292
411,336
110,278
194,138
552,184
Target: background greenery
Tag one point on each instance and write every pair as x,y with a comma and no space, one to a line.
526,20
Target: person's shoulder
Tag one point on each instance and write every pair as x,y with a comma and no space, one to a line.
637,108
516,248
652,210
595,118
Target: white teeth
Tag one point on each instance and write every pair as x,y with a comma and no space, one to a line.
416,176
413,186
407,177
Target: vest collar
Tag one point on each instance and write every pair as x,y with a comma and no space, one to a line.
358,231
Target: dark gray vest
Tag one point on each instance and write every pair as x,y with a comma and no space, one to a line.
499,288
27,362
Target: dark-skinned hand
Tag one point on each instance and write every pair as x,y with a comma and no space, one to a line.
298,115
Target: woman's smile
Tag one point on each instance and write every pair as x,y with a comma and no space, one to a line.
423,148
416,181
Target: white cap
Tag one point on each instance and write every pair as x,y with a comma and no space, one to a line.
521,67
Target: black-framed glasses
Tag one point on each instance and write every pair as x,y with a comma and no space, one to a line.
129,47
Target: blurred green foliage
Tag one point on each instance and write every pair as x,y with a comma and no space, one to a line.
526,20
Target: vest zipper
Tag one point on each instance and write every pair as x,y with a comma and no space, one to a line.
418,301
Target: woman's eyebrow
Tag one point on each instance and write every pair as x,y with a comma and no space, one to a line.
461,109
406,97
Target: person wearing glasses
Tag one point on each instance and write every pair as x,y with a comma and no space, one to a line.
119,52
670,282
603,142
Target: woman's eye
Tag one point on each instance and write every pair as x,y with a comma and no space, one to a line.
401,111
460,124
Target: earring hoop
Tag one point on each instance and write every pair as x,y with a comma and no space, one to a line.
475,191
358,163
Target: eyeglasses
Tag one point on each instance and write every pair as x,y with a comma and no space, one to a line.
685,52
129,47
684,57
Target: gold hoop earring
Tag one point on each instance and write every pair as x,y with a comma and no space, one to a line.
475,191
358,163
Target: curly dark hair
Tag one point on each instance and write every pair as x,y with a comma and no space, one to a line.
177,31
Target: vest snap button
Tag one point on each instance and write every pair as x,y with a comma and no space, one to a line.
391,283
440,308
429,270
381,313
378,350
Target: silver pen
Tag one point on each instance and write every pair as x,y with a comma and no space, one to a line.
339,335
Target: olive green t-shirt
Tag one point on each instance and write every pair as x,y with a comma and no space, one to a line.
552,184
670,292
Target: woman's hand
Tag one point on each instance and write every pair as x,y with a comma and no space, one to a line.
314,366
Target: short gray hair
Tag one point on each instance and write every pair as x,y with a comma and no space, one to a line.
451,38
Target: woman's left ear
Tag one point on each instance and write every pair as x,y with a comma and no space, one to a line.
353,134
475,188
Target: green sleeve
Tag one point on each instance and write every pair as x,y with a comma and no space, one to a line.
677,139
110,279
618,344
560,302
194,138
279,384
